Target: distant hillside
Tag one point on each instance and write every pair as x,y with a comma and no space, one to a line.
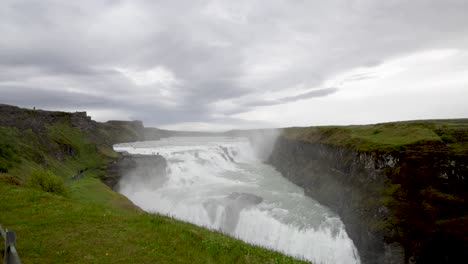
151,133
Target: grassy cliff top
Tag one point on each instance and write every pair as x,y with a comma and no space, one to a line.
451,134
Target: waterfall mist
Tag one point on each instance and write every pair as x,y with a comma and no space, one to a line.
263,141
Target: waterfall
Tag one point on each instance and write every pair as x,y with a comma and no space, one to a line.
219,183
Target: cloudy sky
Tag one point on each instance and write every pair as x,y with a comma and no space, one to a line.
217,65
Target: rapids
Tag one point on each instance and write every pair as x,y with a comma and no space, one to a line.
219,183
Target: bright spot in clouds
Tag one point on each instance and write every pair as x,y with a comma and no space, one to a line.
416,86
157,75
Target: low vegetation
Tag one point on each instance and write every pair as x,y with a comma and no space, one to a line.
394,136
46,181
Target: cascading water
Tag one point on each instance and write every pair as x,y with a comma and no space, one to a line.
219,183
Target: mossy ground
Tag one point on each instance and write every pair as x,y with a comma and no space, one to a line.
90,223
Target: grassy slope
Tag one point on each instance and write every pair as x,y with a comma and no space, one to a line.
388,136
55,229
93,224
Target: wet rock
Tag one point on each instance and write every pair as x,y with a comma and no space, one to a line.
245,198
142,166
232,205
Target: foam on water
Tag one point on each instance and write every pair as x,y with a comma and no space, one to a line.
218,183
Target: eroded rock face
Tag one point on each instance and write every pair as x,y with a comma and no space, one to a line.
398,207
233,204
245,199
142,166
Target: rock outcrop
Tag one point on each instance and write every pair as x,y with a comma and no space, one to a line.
37,120
398,207
107,133
145,167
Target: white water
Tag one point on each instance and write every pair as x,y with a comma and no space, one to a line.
219,183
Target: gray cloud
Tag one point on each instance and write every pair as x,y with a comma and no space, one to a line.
66,54
32,96
303,96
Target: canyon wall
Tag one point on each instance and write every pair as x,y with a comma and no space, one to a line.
405,206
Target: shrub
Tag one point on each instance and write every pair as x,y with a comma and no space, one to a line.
399,148
447,138
46,181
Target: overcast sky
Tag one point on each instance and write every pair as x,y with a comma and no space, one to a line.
218,65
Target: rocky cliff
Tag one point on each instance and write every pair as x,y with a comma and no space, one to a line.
401,203
107,133
37,120
144,167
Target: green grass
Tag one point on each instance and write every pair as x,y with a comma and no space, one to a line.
88,222
8,149
46,181
387,136
57,229
92,190
85,154
61,149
